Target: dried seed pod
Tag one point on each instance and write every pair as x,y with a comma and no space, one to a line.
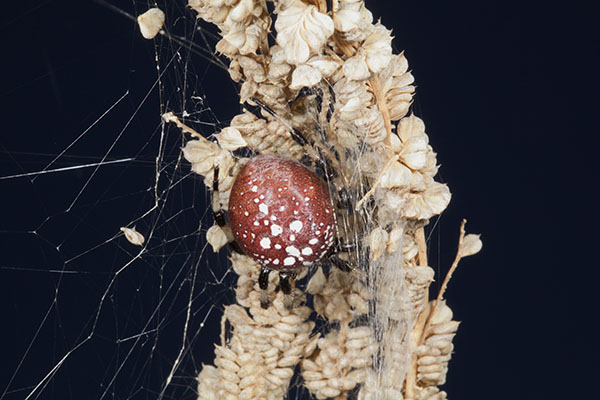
352,20
471,245
338,368
301,30
217,237
372,57
151,22
230,139
397,85
133,236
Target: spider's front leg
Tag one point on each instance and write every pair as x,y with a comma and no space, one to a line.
333,255
219,215
341,264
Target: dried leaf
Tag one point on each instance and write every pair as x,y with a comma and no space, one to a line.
151,22
217,237
428,203
326,65
378,49
305,76
396,175
356,68
133,236
471,245
414,152
352,20
409,127
231,139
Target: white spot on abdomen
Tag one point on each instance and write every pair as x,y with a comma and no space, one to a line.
265,243
313,241
289,261
276,230
263,208
292,251
307,251
296,226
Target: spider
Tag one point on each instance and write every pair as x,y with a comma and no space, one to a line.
281,214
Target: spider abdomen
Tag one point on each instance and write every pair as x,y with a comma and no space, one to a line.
281,213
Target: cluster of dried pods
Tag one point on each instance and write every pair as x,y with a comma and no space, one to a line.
331,94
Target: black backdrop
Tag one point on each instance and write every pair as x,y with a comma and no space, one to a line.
507,91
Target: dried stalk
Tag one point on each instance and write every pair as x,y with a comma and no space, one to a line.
382,334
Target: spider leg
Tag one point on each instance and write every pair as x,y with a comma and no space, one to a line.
339,247
285,279
330,108
263,106
304,91
345,200
297,136
319,100
218,213
263,278
326,165
263,283
346,246
341,264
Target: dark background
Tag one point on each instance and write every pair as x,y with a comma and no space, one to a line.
509,97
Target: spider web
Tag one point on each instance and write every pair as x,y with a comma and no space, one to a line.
89,314
93,315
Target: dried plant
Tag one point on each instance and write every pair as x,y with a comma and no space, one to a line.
331,94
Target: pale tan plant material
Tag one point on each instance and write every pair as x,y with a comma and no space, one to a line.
382,334
151,22
133,236
258,359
